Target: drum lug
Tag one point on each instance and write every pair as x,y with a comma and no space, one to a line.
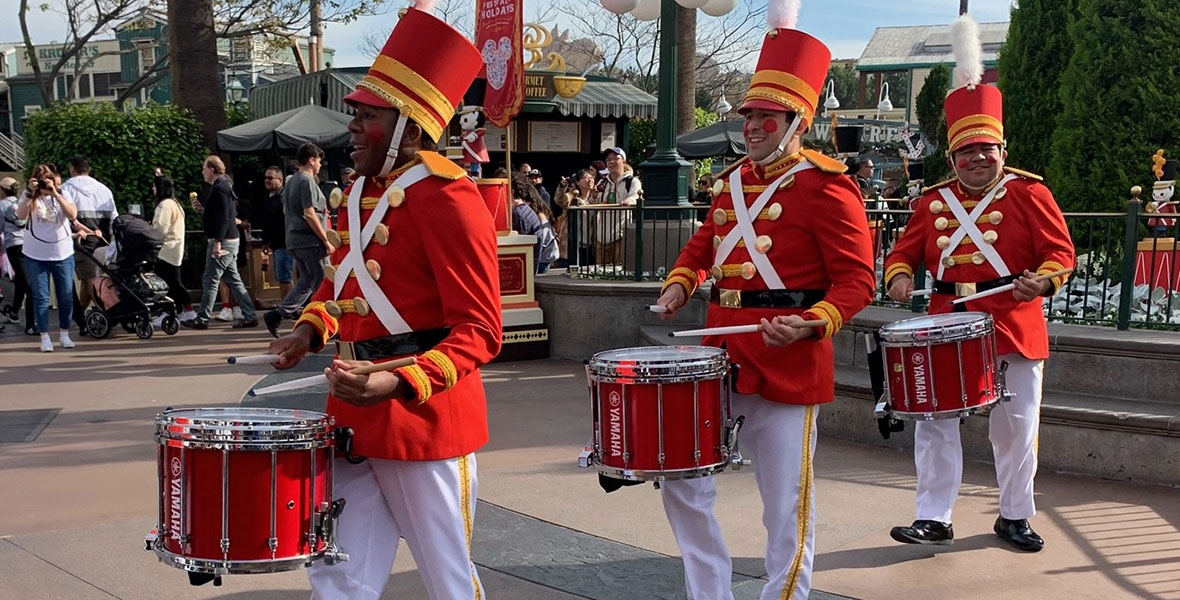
1002,382
586,456
882,409
731,443
273,544
149,540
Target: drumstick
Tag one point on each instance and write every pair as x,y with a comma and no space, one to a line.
1009,287
257,359
314,380
736,329
656,308
925,292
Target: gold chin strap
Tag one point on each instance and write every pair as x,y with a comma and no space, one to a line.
394,144
782,146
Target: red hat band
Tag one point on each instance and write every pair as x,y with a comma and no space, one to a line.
975,114
791,71
424,86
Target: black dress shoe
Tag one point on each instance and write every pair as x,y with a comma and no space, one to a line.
924,532
273,320
1019,534
195,324
244,324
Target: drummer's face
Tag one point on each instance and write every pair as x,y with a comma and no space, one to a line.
371,129
764,130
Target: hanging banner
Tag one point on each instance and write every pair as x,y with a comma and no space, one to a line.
499,28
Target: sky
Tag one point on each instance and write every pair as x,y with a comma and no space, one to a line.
844,25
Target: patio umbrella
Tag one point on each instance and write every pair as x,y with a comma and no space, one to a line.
323,127
719,139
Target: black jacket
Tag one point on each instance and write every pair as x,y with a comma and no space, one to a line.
221,212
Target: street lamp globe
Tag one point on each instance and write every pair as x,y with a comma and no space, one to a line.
647,10
692,4
620,7
832,103
885,105
719,8
723,105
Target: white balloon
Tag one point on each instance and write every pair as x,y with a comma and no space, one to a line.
692,4
619,6
648,10
719,8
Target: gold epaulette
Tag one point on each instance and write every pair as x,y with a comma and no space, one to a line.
824,162
441,167
1025,174
938,185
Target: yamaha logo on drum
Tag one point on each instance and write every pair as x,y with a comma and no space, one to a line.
615,428
175,493
920,389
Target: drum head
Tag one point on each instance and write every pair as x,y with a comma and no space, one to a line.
240,425
662,364
938,328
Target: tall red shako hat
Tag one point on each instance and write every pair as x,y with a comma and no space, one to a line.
423,71
791,70
974,112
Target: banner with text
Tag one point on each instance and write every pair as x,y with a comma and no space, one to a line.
499,27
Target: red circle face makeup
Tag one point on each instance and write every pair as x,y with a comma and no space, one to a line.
770,126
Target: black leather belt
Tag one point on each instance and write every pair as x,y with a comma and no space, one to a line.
392,346
766,298
962,289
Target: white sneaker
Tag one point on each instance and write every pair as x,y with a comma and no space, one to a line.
237,313
46,343
65,340
225,315
187,315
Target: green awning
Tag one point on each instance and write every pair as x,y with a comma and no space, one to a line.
608,99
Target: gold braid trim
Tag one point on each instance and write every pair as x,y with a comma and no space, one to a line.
897,269
418,380
444,364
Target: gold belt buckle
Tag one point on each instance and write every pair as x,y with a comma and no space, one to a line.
731,298
964,289
346,350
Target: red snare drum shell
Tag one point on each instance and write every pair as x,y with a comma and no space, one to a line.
940,366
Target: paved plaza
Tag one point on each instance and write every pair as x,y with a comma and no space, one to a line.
78,497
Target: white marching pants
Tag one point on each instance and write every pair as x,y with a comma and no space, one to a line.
429,503
780,439
1012,429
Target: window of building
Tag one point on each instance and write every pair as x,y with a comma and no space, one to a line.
104,84
147,55
31,108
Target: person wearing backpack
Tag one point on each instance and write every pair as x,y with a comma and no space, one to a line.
547,245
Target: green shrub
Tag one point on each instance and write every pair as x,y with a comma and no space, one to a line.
123,148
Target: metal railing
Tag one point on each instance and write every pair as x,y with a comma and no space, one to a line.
12,151
1128,271
612,241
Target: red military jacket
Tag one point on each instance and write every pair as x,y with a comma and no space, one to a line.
434,257
814,232
1027,230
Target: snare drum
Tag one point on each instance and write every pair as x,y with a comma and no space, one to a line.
245,490
941,366
660,413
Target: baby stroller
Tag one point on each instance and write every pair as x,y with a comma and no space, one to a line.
130,294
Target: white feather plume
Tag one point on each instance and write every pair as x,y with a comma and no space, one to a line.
783,14
968,51
426,6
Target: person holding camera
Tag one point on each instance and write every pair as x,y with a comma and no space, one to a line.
576,191
49,251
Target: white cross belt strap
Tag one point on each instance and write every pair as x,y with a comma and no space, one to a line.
967,226
745,224
354,260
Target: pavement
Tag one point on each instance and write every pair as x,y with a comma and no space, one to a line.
78,492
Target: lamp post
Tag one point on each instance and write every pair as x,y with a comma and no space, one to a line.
884,105
666,174
235,90
832,103
723,106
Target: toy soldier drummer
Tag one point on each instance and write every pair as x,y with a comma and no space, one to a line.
1162,193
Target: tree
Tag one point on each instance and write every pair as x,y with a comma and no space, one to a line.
686,68
1119,101
1031,64
84,22
932,121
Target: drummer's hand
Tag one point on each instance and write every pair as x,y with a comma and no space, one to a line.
1028,290
360,390
780,331
672,299
292,347
902,288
